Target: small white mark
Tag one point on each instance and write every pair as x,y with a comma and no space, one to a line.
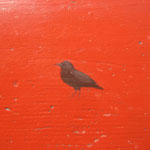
15,99
7,109
143,54
4,9
11,141
100,70
129,142
52,107
113,75
103,135
83,132
89,145
140,42
96,140
80,51
12,49
107,115
76,132
43,128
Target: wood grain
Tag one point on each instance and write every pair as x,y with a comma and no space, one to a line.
108,40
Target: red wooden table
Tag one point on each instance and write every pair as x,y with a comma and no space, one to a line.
109,40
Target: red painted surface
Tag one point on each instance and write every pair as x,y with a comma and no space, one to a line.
109,40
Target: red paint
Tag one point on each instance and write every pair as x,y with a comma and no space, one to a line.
109,40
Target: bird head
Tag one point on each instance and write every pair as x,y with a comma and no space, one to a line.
65,65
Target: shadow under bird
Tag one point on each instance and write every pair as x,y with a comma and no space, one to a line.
75,78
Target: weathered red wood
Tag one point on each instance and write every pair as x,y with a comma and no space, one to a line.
109,40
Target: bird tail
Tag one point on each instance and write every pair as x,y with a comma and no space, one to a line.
98,87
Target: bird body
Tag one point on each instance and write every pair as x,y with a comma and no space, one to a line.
75,78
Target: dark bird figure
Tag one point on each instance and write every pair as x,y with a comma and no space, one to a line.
75,78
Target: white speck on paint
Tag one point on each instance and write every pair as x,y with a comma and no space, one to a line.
12,49
89,145
96,140
103,136
15,99
107,115
83,132
140,42
113,75
7,109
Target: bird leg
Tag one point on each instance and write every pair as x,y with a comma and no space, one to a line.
74,93
79,93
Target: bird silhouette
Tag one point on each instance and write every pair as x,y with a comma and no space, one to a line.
75,78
